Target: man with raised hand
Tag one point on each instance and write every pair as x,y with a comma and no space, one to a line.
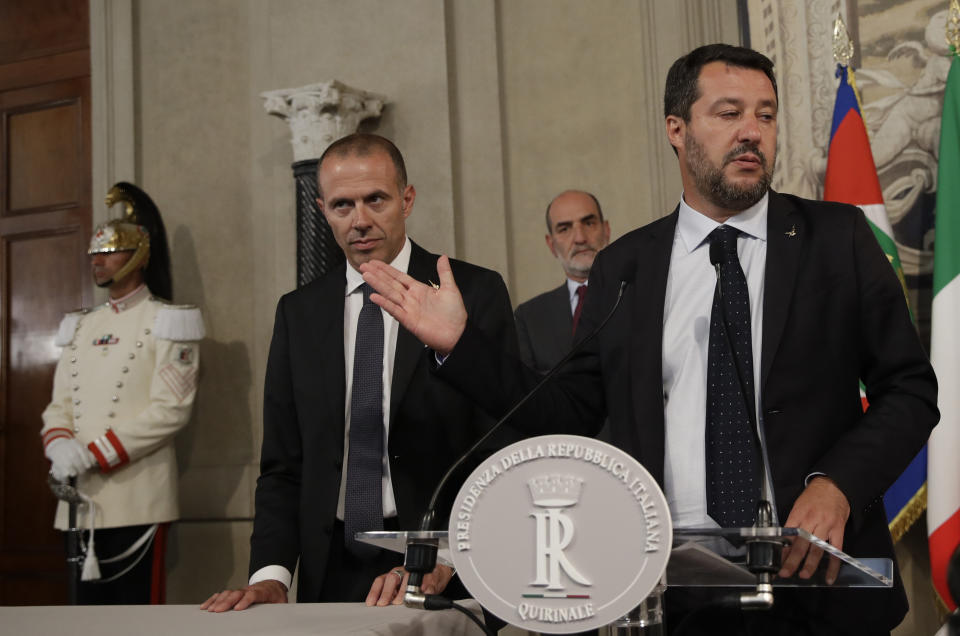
356,430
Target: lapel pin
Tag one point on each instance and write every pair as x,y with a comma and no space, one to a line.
792,232
435,286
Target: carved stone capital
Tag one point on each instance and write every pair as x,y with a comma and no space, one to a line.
319,114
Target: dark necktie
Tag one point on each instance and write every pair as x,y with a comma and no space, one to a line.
732,482
363,501
581,294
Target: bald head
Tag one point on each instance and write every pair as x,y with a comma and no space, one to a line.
576,231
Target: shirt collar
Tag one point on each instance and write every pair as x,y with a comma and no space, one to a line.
401,262
130,300
694,227
573,286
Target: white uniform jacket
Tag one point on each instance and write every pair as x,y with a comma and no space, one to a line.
124,386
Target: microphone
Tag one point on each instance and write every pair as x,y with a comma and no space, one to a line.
763,553
421,557
716,258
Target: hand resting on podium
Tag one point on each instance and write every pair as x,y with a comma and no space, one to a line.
822,510
389,588
269,591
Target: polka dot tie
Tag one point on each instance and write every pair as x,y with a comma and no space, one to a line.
732,482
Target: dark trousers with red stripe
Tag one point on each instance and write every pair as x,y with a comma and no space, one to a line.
144,584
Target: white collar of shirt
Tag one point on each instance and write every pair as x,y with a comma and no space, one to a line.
694,227
401,262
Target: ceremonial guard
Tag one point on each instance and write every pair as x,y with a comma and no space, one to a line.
124,386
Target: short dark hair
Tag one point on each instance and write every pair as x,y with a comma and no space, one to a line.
595,202
361,145
682,88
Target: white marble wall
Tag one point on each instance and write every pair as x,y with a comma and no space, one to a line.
496,106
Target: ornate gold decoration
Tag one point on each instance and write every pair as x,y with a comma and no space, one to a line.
909,514
953,27
116,195
842,44
123,234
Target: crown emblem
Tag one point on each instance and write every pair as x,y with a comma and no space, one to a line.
555,491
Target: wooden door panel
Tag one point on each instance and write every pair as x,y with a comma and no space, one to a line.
34,28
45,148
43,156
26,511
45,220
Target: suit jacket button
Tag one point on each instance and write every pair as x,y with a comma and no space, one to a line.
327,530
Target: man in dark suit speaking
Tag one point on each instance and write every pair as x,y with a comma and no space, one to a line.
356,431
812,306
576,232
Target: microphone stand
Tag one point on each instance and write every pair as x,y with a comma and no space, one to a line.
421,555
764,552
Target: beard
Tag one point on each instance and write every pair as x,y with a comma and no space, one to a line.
712,183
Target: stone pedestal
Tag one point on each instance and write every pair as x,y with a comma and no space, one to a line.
318,115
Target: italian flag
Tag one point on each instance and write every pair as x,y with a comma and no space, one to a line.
943,475
852,178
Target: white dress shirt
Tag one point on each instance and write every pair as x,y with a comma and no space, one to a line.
352,305
686,334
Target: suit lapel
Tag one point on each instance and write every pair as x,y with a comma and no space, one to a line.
423,266
326,345
561,321
646,347
786,236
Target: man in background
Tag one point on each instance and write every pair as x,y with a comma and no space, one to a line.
576,232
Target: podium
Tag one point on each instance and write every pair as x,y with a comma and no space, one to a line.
691,564
560,534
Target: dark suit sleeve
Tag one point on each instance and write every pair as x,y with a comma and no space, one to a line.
900,384
275,539
489,308
573,402
523,336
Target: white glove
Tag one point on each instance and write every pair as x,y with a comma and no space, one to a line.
68,458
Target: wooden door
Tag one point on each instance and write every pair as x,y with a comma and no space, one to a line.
45,220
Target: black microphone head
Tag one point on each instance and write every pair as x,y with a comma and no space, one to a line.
628,272
716,253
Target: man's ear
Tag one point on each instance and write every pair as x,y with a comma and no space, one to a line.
408,197
676,131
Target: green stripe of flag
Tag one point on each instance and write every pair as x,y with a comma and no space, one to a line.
888,245
946,262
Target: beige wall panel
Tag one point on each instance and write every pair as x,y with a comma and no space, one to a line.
476,134
193,125
204,557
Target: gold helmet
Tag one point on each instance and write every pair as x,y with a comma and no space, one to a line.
123,234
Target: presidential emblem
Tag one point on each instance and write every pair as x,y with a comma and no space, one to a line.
560,534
